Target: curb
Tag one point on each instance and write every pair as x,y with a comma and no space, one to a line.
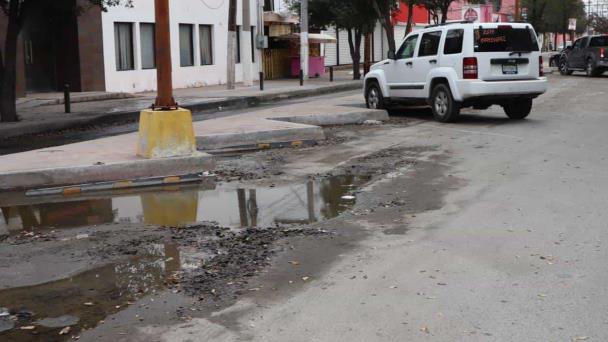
116,185
129,116
133,169
259,138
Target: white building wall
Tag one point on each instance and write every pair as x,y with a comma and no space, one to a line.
342,49
196,12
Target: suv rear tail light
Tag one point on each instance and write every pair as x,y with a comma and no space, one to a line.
602,51
541,72
469,68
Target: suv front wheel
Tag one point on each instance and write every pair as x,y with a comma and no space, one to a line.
444,108
373,97
518,109
563,67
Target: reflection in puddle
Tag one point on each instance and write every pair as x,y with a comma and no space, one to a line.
109,289
89,296
230,206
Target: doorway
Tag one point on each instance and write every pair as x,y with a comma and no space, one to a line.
50,45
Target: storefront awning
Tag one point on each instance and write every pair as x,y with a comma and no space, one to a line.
312,38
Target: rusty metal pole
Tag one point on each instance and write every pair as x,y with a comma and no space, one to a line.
164,80
517,11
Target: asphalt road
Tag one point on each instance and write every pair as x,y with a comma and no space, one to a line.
514,248
482,230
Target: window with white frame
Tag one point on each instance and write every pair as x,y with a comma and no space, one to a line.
123,43
147,41
186,45
206,44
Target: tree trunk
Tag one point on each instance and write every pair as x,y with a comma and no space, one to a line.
410,16
444,14
354,43
387,23
390,34
367,48
8,70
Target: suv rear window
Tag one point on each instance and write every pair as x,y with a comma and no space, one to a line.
599,41
505,38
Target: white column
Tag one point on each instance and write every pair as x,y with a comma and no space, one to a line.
304,37
246,47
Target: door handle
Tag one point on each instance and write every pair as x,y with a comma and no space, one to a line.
433,61
409,63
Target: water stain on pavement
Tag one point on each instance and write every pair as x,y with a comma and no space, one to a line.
199,260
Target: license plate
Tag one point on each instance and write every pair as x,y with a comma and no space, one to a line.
509,69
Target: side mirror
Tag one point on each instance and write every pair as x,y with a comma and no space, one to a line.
569,47
391,54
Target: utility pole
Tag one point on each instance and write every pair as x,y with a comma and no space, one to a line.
231,67
517,11
247,49
261,34
304,37
164,79
165,130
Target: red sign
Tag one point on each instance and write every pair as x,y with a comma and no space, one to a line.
471,15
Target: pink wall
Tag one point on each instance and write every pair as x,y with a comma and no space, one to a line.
486,11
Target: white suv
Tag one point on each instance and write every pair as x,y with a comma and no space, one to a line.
458,65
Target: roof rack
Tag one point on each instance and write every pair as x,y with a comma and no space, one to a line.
450,23
470,22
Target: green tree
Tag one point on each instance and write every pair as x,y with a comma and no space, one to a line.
598,23
384,10
353,16
558,12
16,13
537,11
438,9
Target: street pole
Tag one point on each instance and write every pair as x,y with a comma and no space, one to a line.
164,80
261,34
231,67
165,130
304,38
517,11
247,49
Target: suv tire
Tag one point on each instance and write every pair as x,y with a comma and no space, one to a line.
444,108
563,67
373,96
518,109
590,70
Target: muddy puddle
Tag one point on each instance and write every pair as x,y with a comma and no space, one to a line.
41,312
228,204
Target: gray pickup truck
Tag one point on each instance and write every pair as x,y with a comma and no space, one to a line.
589,54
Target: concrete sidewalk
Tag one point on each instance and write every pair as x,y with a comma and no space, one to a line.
114,158
41,114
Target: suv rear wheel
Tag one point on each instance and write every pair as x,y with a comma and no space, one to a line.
373,97
444,108
590,70
518,109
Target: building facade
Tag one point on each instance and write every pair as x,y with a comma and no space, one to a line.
199,35
114,51
57,47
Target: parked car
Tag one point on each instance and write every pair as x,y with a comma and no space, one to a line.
589,54
555,58
457,65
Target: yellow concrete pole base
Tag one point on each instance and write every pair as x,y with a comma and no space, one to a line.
165,134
